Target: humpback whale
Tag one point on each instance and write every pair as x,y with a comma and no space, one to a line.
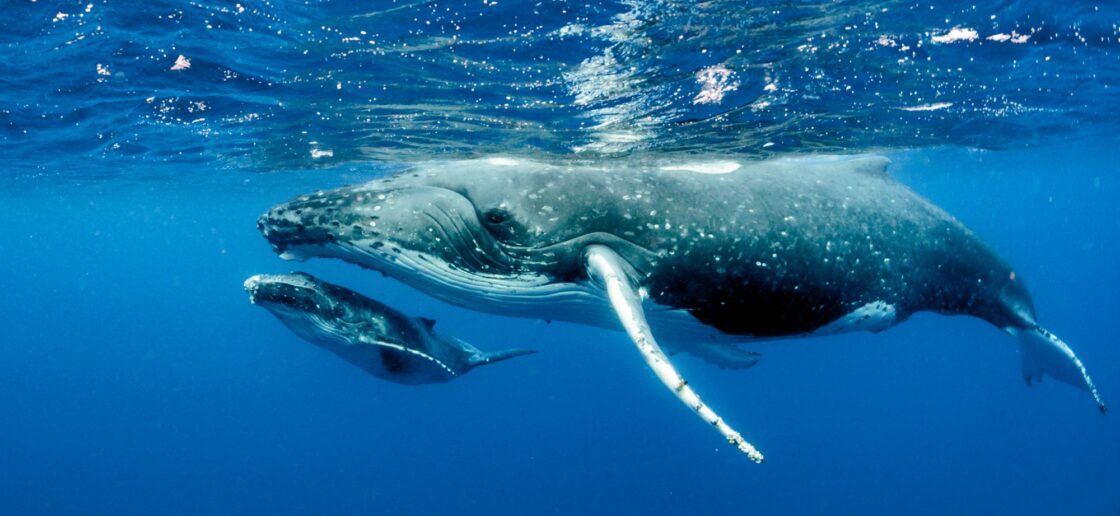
366,333
697,257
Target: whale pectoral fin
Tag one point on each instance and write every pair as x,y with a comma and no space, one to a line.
613,274
1043,352
476,357
484,358
724,356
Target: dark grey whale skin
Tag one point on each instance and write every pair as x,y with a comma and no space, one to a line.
774,249
369,334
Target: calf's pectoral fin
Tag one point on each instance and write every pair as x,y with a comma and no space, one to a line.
476,357
1043,352
484,358
615,276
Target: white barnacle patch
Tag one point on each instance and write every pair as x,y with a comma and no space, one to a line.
873,317
710,167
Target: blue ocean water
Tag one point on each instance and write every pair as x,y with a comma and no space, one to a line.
135,377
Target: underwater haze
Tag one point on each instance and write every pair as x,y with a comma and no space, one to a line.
141,141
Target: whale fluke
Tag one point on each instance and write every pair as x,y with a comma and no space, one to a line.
609,270
1044,352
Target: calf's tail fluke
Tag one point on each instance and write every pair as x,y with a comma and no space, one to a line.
1043,352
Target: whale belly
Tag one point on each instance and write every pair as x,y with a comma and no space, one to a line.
680,326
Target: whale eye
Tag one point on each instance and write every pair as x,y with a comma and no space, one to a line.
501,223
496,216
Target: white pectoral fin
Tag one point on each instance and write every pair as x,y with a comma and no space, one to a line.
1043,352
613,274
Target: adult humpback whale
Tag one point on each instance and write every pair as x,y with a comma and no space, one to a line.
704,256
382,341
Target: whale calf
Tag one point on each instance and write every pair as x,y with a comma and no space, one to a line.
701,257
366,333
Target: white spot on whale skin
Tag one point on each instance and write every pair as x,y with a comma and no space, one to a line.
711,167
957,34
874,317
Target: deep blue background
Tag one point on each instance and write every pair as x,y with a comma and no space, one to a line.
136,377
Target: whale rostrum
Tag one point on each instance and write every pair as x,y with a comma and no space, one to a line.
708,256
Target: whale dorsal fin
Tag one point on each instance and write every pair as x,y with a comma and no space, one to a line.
867,165
428,323
874,166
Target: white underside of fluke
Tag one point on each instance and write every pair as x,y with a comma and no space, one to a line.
1043,352
609,271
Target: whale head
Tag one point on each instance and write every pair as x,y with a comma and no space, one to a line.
308,306
457,231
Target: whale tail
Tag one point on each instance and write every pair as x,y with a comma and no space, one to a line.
1043,352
